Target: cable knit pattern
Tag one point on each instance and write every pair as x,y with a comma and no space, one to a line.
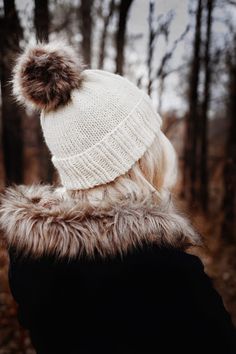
105,128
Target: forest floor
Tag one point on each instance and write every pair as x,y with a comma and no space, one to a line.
219,259
13,339
220,265
221,268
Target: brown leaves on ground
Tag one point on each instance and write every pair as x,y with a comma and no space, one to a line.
13,339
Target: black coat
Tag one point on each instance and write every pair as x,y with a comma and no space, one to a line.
153,300
87,282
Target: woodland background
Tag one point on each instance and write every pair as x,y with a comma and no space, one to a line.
183,53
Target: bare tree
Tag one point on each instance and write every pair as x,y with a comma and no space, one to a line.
107,19
42,24
203,131
123,9
163,72
190,158
10,34
150,43
229,177
156,28
86,23
41,19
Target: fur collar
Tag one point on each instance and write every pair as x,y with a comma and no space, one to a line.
39,221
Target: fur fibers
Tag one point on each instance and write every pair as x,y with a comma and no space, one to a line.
45,75
39,221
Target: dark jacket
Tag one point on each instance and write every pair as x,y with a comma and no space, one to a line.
147,297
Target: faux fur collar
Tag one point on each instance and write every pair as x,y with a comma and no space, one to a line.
38,221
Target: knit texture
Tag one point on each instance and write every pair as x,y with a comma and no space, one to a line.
99,135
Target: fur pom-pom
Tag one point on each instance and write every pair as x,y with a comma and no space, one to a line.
45,75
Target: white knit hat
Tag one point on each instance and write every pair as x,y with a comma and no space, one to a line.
96,124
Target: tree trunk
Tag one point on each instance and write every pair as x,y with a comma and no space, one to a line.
203,168
10,34
104,34
120,35
191,157
150,45
160,92
229,199
86,23
42,23
41,20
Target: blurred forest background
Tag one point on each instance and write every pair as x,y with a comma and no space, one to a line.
183,53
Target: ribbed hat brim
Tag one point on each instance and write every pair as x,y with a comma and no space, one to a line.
115,154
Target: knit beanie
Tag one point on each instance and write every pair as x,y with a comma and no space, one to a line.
96,124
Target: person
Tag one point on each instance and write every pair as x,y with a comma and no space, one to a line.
99,263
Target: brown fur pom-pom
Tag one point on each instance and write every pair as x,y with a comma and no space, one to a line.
45,75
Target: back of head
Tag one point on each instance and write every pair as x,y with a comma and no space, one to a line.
102,131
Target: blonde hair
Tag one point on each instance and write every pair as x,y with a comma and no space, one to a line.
132,210
155,173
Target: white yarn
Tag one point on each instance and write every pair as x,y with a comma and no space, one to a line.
99,135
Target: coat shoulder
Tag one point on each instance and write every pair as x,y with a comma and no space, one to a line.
173,258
